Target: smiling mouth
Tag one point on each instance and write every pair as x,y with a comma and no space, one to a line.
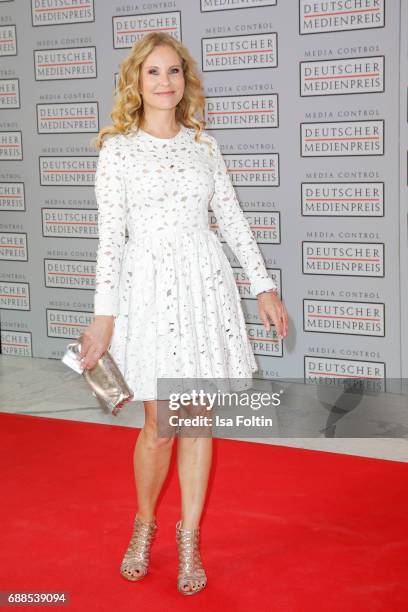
164,93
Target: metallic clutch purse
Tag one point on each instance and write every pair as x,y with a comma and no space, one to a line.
105,379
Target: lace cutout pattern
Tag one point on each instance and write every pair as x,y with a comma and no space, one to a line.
170,286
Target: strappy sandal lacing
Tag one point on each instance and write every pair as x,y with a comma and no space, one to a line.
190,566
137,555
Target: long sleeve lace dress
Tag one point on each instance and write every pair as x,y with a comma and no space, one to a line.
170,286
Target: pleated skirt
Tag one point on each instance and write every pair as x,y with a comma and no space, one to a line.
180,315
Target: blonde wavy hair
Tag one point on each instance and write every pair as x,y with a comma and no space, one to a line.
128,113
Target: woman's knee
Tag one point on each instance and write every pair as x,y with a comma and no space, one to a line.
156,438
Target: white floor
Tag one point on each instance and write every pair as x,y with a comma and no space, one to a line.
47,387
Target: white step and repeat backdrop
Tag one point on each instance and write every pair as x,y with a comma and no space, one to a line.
308,101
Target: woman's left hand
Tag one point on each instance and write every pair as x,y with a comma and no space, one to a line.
271,308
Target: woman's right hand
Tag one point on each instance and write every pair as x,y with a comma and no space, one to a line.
96,339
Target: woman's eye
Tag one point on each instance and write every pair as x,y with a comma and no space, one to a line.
155,71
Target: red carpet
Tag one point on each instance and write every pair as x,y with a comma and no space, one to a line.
283,529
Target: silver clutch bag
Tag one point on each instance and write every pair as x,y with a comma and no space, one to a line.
105,379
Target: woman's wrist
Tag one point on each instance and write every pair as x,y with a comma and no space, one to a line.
273,290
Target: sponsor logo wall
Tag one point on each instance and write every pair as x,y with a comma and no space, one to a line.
305,100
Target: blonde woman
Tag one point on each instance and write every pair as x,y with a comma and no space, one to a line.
166,302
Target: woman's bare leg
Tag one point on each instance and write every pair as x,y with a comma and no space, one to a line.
151,462
194,457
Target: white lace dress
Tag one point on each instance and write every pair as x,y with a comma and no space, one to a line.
170,286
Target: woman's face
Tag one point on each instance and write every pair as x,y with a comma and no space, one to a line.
162,78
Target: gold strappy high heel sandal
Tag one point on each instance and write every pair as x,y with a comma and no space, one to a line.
191,572
136,560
